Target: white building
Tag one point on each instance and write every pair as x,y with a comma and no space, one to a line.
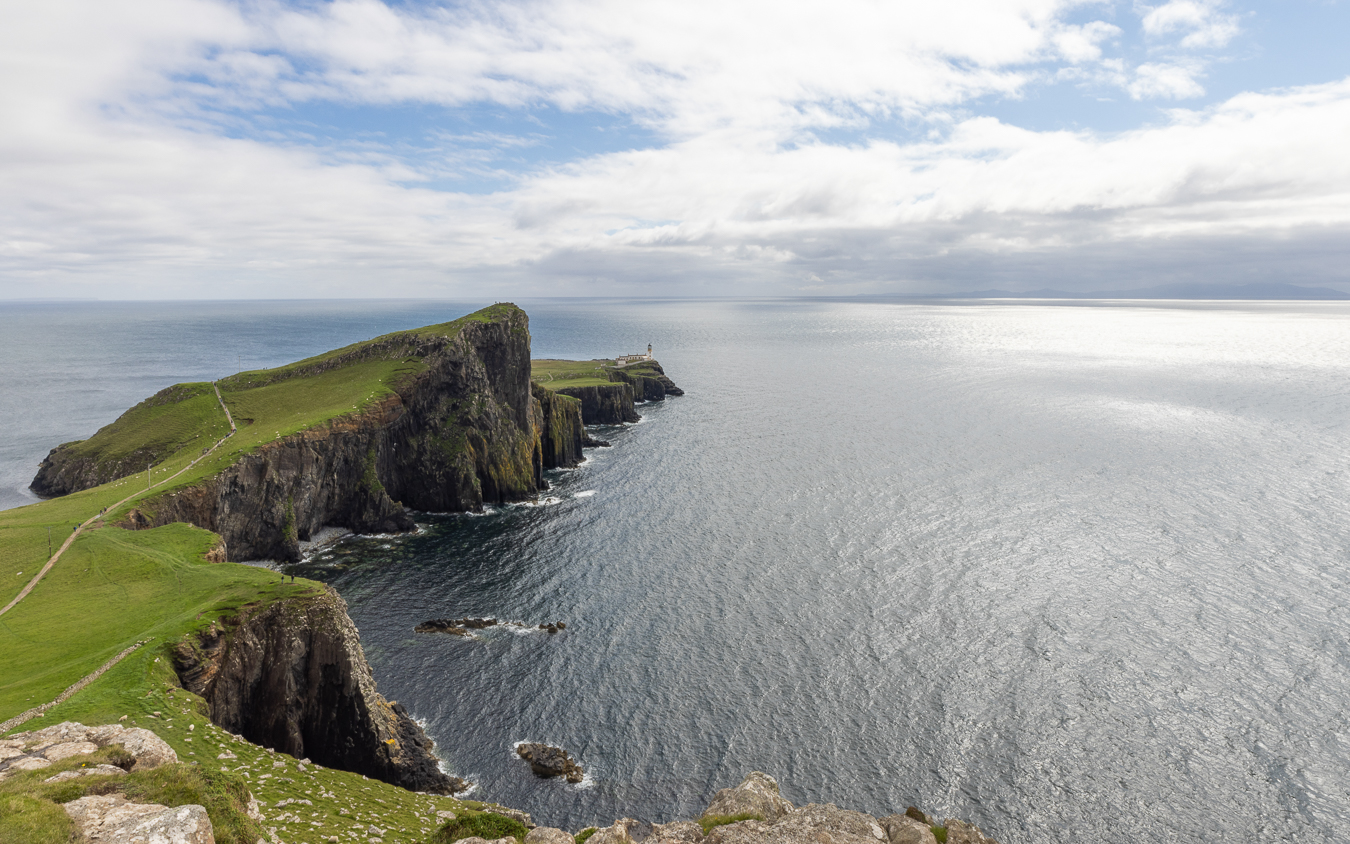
624,360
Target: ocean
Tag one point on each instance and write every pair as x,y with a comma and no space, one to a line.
1071,571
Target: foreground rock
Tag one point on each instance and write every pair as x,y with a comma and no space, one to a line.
38,749
112,818
292,676
756,795
777,821
548,761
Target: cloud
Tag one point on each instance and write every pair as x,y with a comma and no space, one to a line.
1203,21
131,162
1168,80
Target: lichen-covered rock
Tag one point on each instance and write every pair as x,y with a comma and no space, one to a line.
67,749
548,761
292,676
904,829
960,832
757,794
617,833
113,819
548,835
811,824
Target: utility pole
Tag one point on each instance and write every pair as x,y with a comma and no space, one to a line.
49,543
147,475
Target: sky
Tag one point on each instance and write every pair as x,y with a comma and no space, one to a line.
206,149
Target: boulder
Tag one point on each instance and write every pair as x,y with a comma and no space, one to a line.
476,840
548,761
548,835
757,795
960,832
65,750
28,763
616,834
150,750
112,818
904,829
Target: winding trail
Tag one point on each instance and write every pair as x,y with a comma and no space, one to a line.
70,540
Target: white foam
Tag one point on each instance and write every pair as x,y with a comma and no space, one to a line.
585,493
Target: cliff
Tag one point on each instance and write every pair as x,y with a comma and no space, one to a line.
292,676
613,403
455,423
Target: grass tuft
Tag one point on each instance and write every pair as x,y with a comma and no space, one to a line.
584,834
488,825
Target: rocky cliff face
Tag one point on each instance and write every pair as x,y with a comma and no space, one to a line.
292,676
466,430
612,404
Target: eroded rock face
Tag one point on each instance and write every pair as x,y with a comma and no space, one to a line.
960,832
112,818
756,795
292,676
548,761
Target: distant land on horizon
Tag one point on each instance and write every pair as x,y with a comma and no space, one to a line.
1163,291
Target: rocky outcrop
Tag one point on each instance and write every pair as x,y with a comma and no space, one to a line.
774,820
467,427
31,751
604,404
548,761
112,818
613,404
756,795
292,676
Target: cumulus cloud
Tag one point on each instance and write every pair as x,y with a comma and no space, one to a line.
1203,22
125,170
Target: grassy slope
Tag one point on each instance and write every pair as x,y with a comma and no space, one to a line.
570,373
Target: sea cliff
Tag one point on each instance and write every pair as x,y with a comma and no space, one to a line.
461,427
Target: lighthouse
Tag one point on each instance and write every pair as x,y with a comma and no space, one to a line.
649,351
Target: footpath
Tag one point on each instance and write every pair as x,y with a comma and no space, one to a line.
70,540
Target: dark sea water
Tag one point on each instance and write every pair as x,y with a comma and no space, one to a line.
1070,572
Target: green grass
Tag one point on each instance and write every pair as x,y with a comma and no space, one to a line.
111,589
482,824
711,822
581,837
940,833
570,373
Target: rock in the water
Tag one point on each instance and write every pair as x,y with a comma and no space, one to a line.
904,829
111,818
553,626
756,795
548,761
548,835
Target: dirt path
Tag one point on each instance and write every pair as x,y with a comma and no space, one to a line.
89,521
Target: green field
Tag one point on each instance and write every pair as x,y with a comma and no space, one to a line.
570,373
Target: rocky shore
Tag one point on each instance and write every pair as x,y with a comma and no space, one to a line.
754,812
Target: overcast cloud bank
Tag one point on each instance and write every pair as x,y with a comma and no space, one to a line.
817,148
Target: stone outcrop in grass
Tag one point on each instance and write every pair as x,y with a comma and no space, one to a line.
112,818
291,676
39,749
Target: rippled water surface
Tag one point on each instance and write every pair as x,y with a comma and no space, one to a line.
1063,571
